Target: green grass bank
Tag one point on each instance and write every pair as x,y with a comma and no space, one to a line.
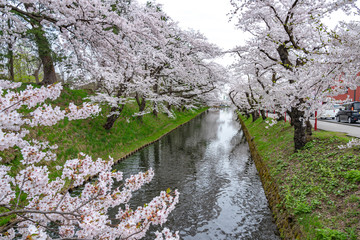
127,135
314,193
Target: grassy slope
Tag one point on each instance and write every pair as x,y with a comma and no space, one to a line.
88,136
317,184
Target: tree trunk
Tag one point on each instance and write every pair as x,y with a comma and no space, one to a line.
141,101
155,111
290,116
111,120
156,90
300,136
263,114
10,64
36,74
169,106
308,130
255,115
44,52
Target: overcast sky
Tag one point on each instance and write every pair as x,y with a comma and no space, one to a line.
207,16
210,17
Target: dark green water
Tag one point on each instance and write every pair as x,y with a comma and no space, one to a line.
208,161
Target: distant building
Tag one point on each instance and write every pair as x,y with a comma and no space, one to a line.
351,95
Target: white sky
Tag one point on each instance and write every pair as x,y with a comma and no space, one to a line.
210,17
207,16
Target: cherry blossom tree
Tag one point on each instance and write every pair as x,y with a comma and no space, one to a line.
168,67
347,42
44,208
190,75
86,30
126,49
295,58
253,78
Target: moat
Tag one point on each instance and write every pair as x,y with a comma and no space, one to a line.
208,161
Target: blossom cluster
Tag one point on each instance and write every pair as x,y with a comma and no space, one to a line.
50,209
270,124
167,234
353,142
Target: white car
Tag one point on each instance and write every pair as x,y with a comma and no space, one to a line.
329,112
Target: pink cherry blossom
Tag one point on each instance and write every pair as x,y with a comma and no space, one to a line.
49,201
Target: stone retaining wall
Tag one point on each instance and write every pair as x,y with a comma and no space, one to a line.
288,228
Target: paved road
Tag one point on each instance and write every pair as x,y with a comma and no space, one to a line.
352,130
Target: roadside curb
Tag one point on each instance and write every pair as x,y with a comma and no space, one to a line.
286,224
338,123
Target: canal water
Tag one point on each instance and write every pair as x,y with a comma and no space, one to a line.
208,161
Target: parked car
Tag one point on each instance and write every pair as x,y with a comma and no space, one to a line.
349,112
330,112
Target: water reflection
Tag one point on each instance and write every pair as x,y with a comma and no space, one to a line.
208,161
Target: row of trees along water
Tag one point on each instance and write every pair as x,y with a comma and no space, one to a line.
121,47
294,59
129,52
291,63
